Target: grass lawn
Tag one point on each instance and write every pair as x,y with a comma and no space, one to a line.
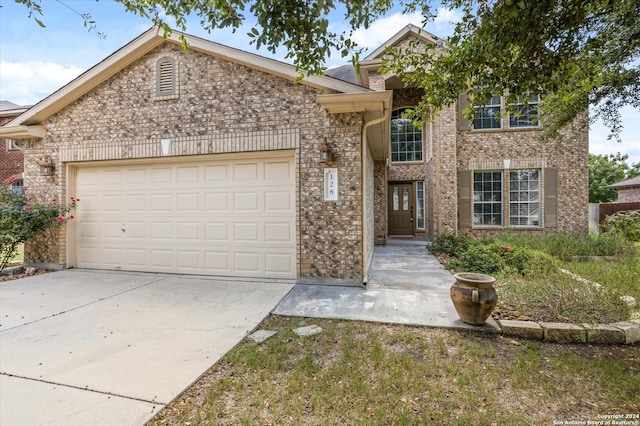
375,374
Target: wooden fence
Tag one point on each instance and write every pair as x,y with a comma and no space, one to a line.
610,208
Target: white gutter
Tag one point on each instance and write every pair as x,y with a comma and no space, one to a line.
367,262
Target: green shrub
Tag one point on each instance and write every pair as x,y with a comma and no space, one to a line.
22,218
625,224
451,244
478,258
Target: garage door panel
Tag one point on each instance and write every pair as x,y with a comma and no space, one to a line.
275,232
136,176
216,262
162,231
281,263
112,230
216,202
247,262
162,202
245,202
217,232
213,173
189,202
162,259
136,202
278,201
245,172
161,175
136,258
188,231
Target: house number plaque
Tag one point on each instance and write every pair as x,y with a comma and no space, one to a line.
331,184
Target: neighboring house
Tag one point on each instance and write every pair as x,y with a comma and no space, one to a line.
628,190
216,161
11,157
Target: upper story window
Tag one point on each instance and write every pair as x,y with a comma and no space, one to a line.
488,116
526,112
166,77
406,138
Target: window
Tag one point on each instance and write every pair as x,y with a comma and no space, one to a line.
13,144
487,198
524,198
420,205
526,112
166,77
406,138
17,187
488,116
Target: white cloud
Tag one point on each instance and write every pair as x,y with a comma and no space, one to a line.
26,83
385,28
445,20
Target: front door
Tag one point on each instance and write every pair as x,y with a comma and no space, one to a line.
401,208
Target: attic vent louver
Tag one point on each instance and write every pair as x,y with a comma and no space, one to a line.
166,77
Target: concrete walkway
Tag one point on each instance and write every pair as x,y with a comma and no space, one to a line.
407,285
82,347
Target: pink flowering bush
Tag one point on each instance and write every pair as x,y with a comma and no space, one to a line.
22,218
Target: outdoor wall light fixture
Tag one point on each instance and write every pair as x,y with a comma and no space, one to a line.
46,166
326,155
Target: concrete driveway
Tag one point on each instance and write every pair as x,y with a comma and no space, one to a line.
82,347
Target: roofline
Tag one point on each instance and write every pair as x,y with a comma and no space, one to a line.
622,185
12,112
409,29
143,44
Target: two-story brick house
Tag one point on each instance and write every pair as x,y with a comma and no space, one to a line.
220,162
11,157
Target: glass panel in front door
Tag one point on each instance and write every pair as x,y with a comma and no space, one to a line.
396,200
405,198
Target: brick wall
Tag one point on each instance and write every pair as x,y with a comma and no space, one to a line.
11,160
216,97
629,195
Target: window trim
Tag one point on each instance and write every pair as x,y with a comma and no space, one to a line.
397,114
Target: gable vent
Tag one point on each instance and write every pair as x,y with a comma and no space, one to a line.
166,77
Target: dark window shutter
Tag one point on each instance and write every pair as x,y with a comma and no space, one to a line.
550,198
464,199
166,77
463,123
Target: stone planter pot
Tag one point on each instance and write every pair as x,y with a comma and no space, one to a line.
474,297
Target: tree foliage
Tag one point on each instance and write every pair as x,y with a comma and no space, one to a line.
606,170
575,53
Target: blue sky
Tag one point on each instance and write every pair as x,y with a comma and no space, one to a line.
34,61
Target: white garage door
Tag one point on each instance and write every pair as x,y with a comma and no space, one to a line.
230,217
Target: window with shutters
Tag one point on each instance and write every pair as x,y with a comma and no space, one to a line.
166,87
521,190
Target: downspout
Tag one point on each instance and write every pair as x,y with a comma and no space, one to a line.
363,144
